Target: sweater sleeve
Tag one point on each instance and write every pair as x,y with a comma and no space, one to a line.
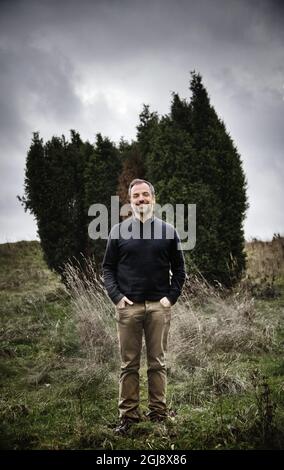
110,268
177,268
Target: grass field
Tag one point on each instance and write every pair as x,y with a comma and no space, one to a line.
60,366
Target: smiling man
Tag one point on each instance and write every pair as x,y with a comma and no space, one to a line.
137,277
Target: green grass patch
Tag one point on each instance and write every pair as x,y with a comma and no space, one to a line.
56,394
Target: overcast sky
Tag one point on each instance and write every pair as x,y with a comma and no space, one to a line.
90,66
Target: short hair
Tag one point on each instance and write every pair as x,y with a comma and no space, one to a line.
137,181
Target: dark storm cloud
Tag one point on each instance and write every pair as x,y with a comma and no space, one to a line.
121,30
90,65
36,91
37,82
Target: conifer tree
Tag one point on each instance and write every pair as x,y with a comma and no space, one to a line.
191,159
132,167
101,180
49,196
146,129
223,172
55,195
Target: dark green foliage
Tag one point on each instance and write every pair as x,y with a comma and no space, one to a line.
101,180
62,180
147,129
191,159
132,167
49,195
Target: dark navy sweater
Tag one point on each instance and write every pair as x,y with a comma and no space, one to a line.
138,260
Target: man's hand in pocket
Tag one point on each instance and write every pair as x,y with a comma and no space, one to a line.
165,302
123,302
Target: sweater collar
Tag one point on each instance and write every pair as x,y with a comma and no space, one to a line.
137,220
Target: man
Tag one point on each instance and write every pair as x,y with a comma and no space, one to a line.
136,271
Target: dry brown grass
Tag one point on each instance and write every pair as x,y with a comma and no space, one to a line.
207,329
93,314
216,322
265,259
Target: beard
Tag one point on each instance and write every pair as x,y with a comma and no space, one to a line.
142,209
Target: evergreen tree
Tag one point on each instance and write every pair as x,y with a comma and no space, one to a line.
146,129
222,171
132,167
191,159
55,195
101,180
79,154
35,178
44,177
171,167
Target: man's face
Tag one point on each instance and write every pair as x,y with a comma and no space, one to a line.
141,200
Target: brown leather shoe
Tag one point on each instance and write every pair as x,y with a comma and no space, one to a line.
124,426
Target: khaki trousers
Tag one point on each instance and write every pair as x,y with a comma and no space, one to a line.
152,318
